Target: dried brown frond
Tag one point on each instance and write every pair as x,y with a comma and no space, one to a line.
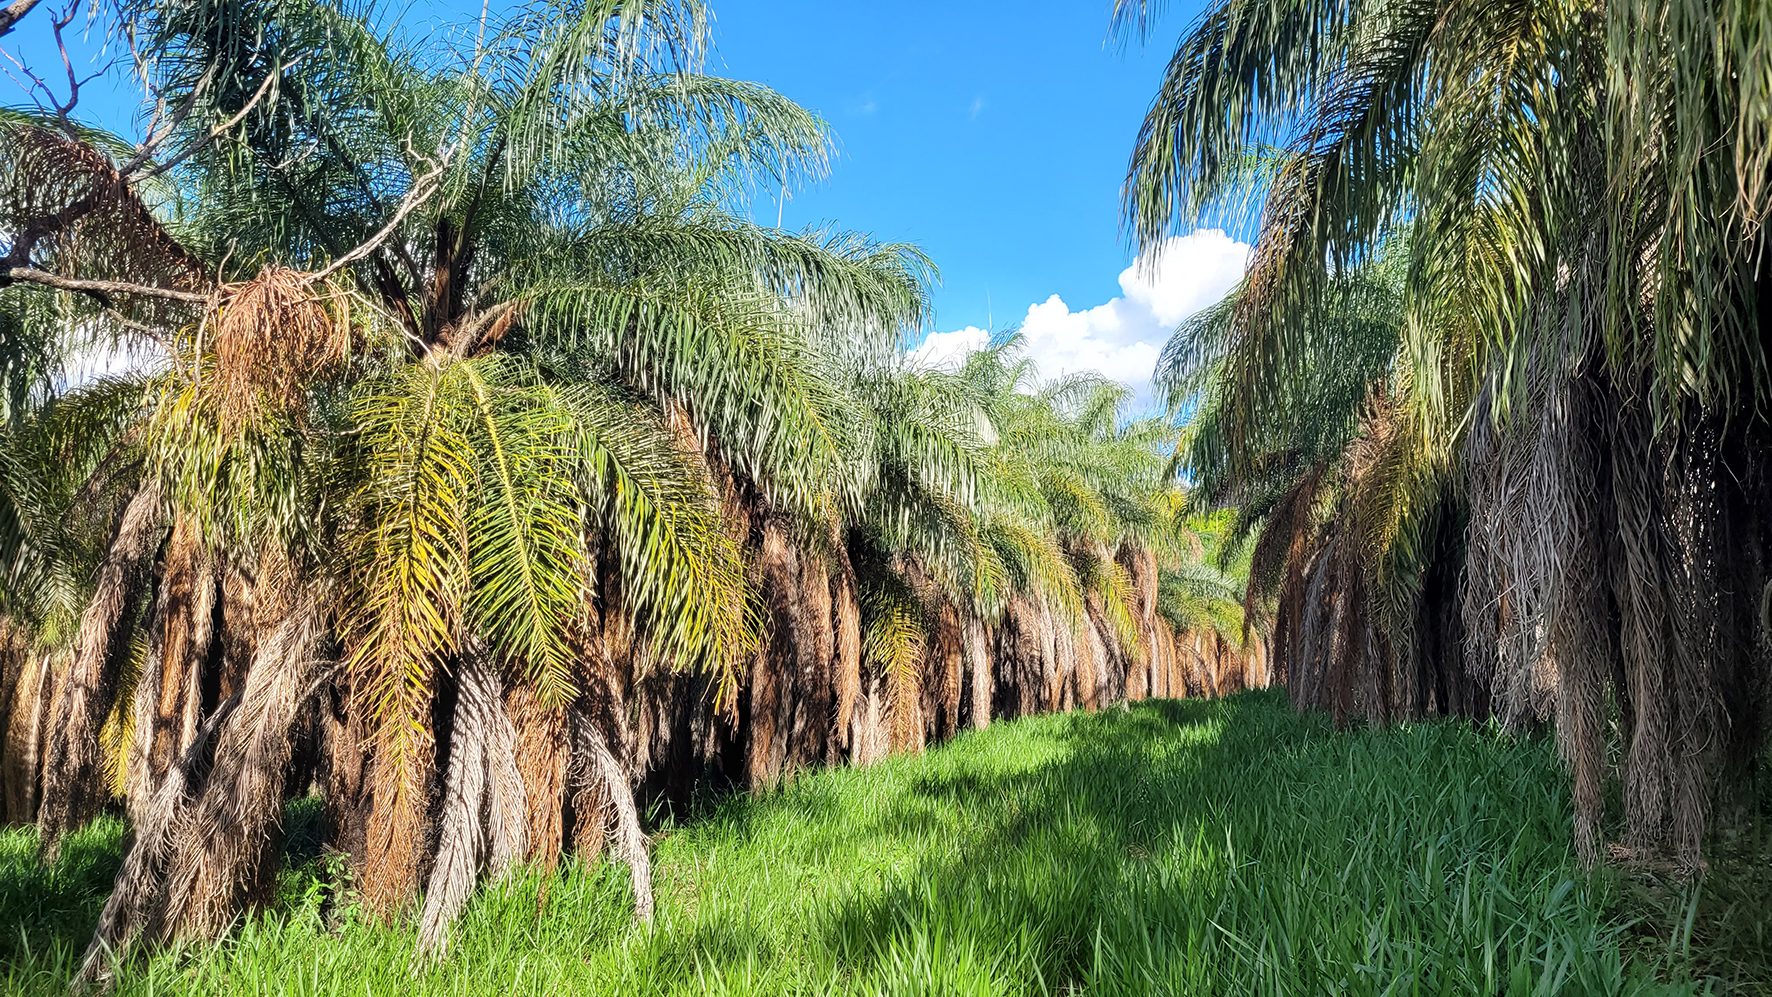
541,756
227,850
272,336
67,200
1094,662
71,784
1051,685
388,876
814,650
1075,679
870,737
774,665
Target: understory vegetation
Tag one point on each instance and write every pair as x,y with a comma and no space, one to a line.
1230,846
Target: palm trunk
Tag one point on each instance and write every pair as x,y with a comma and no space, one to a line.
1074,678
26,733
206,846
168,699
815,648
483,779
975,646
946,660
846,622
73,791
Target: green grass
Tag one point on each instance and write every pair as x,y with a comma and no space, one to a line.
1173,848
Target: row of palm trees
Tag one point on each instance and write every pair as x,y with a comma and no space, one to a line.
482,467
1492,398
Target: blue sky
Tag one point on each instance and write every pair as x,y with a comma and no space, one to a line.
994,134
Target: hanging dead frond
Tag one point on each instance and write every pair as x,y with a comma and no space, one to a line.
485,825
71,783
205,850
272,337
892,644
66,201
604,801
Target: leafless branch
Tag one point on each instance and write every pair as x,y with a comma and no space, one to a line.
62,110
30,275
421,190
14,13
188,151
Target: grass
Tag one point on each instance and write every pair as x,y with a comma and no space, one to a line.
1174,848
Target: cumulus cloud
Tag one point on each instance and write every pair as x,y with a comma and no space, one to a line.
1122,337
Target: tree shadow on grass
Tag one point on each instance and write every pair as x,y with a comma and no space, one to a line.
1233,846
46,910
1052,849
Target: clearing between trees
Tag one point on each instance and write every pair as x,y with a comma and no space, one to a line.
1230,846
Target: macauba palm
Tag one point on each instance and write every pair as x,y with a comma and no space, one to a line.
1558,466
467,335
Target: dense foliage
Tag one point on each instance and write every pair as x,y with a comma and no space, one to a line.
1493,394
484,469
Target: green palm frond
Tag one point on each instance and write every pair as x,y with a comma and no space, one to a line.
683,572
527,561
410,567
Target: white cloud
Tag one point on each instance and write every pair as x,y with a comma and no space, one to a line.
946,350
1122,337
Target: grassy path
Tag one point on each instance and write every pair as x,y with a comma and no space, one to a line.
1173,848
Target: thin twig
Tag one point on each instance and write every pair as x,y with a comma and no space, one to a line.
421,190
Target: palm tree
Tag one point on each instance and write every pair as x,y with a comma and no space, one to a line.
491,473
1564,441
438,436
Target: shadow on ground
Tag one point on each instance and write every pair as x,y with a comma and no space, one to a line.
1170,847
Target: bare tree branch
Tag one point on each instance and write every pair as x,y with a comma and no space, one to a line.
14,13
33,276
421,190
147,150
